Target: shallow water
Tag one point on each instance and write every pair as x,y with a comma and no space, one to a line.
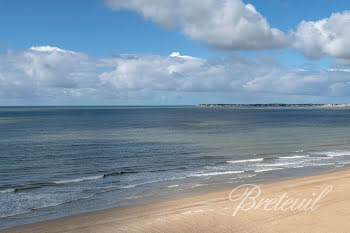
58,161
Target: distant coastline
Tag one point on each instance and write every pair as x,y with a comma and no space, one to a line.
273,105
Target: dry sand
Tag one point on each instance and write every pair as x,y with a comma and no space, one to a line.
213,212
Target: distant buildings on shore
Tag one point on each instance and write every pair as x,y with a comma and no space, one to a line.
272,105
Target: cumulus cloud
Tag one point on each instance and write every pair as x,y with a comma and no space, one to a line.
224,24
326,37
233,25
312,83
45,70
234,74
53,73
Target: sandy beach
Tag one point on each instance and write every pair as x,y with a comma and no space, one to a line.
169,116
213,212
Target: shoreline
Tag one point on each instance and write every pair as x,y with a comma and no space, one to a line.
212,212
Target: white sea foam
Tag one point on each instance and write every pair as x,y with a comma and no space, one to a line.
243,177
276,164
13,214
7,191
217,173
62,203
314,165
321,164
317,158
333,153
136,197
268,169
338,153
294,157
132,185
78,179
245,161
344,163
152,181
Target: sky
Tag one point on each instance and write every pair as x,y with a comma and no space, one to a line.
174,52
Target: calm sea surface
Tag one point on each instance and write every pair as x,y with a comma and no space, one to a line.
58,161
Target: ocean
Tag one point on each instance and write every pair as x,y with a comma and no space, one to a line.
60,161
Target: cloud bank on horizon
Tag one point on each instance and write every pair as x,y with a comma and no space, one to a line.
46,74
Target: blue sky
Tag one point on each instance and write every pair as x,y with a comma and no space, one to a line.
93,28
86,26
99,31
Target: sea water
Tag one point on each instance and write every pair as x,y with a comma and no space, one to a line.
60,161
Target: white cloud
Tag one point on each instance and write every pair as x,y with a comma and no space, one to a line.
233,25
177,54
48,73
342,62
224,24
232,75
340,89
50,49
326,37
45,71
342,70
